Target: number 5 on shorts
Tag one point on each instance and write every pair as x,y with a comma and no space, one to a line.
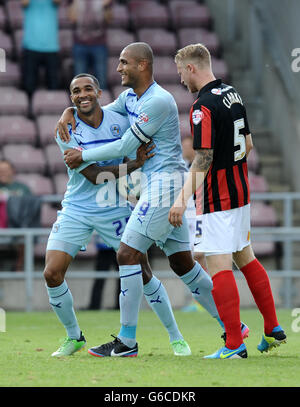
198,228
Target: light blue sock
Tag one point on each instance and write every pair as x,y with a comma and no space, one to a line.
61,300
130,301
201,285
158,299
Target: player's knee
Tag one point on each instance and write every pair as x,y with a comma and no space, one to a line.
201,259
126,256
52,276
181,262
177,268
244,257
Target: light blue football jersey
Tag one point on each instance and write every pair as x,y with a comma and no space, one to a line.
82,197
153,116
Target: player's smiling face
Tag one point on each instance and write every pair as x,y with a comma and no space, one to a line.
128,69
85,94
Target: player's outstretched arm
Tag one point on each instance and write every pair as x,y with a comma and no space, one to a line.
199,168
62,125
117,149
144,152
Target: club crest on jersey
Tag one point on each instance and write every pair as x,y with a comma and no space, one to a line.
115,130
197,116
216,91
143,118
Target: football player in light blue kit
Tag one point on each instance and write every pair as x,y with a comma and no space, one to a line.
90,204
153,116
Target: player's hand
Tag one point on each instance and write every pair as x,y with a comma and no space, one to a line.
176,214
73,158
143,153
62,125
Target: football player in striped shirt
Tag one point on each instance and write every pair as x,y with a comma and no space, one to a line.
219,174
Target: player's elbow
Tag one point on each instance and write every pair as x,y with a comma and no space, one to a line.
249,148
249,144
248,151
92,179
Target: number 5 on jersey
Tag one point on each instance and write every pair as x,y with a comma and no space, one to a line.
239,140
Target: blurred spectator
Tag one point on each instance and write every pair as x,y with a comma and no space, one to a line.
90,53
8,185
9,188
40,43
106,257
3,212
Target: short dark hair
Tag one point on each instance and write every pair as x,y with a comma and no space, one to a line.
140,51
88,75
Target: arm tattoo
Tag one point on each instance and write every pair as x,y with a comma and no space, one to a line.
202,160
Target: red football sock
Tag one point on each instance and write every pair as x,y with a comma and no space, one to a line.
259,284
227,300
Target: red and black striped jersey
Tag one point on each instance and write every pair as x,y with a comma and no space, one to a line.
218,121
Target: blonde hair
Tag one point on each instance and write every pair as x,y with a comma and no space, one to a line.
196,53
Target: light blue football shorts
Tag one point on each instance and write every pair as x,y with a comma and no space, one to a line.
71,232
149,224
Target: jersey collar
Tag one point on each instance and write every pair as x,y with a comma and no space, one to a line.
86,124
138,98
209,85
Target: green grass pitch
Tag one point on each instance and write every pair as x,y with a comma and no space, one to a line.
30,338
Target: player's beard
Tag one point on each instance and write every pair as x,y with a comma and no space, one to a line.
191,87
128,81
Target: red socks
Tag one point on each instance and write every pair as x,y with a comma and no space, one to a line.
227,300
259,284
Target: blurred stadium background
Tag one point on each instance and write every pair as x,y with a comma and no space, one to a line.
252,47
